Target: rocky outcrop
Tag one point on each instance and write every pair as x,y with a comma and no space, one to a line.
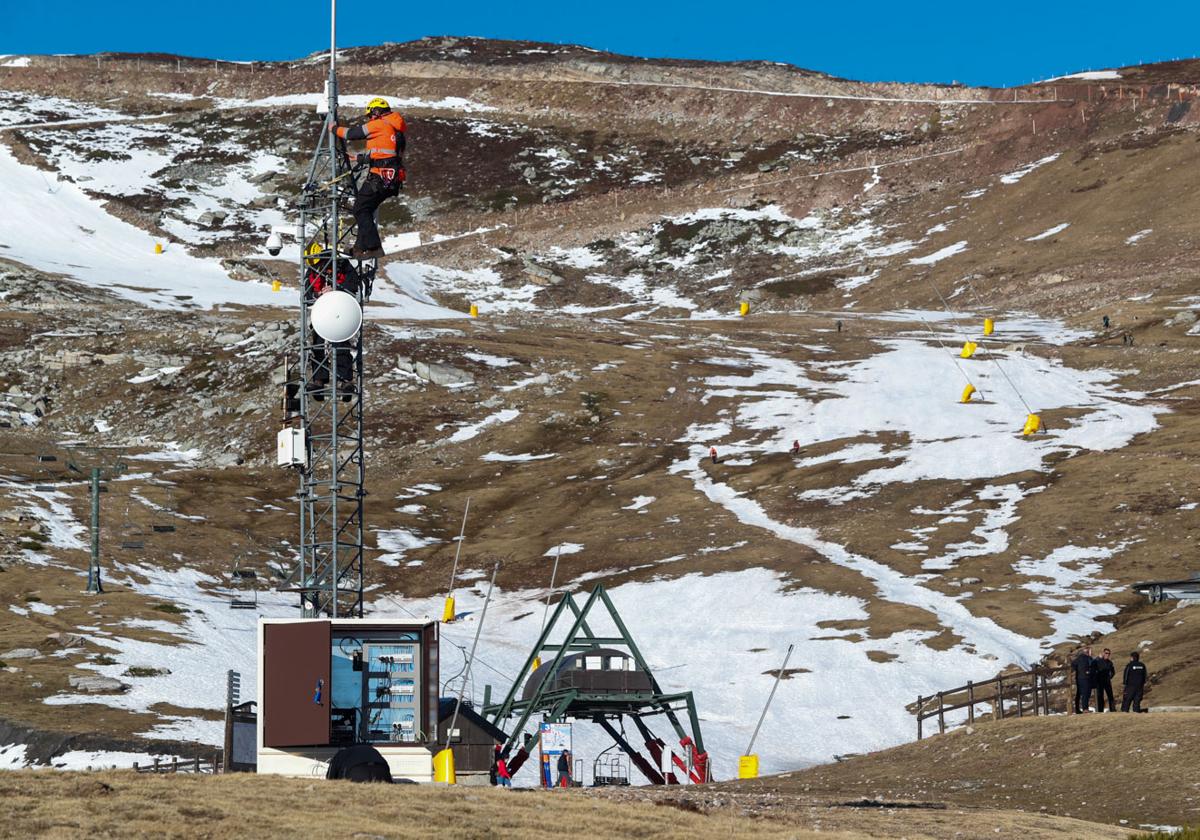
96,684
436,372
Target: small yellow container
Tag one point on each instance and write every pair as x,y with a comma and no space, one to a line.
748,767
276,285
448,610
745,308
1032,424
968,350
989,326
967,393
158,248
443,767
474,311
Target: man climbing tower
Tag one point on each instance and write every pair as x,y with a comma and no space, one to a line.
384,133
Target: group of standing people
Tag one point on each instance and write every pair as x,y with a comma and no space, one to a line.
1095,673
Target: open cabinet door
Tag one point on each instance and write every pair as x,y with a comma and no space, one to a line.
296,687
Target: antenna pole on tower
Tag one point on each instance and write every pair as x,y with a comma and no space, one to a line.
328,573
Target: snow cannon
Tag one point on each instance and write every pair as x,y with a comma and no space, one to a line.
336,316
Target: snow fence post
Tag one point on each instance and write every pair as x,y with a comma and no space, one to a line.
970,701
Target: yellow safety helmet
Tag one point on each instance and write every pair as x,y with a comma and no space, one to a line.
378,104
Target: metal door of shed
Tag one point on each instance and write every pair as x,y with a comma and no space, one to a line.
296,688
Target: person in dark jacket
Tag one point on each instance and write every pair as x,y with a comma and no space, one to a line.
1082,665
1103,672
1134,683
564,769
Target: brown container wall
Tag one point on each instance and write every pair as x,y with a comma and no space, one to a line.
295,659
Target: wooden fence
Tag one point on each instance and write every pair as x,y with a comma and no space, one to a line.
177,765
1040,691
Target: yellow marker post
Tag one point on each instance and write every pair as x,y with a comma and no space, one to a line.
989,326
474,311
448,610
967,393
748,767
1032,424
158,248
745,308
443,767
968,349
276,285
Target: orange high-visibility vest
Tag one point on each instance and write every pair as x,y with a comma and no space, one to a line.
385,137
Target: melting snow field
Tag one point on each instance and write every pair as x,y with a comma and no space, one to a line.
210,639
847,702
107,252
720,635
843,700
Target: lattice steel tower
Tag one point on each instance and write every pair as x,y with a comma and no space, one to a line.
325,394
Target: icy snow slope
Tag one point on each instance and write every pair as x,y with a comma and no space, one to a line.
56,227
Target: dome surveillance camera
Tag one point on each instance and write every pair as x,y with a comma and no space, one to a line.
274,244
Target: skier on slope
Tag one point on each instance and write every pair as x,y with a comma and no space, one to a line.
384,133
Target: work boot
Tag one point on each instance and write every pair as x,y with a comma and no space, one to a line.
317,386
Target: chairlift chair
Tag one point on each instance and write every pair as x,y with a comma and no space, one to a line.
610,770
243,579
131,530
159,526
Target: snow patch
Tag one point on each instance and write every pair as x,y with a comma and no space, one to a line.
1018,174
1046,234
941,254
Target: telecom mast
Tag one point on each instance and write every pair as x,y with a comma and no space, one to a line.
325,409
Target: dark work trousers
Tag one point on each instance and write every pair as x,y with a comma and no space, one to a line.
1083,695
1132,697
1104,687
344,362
373,193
